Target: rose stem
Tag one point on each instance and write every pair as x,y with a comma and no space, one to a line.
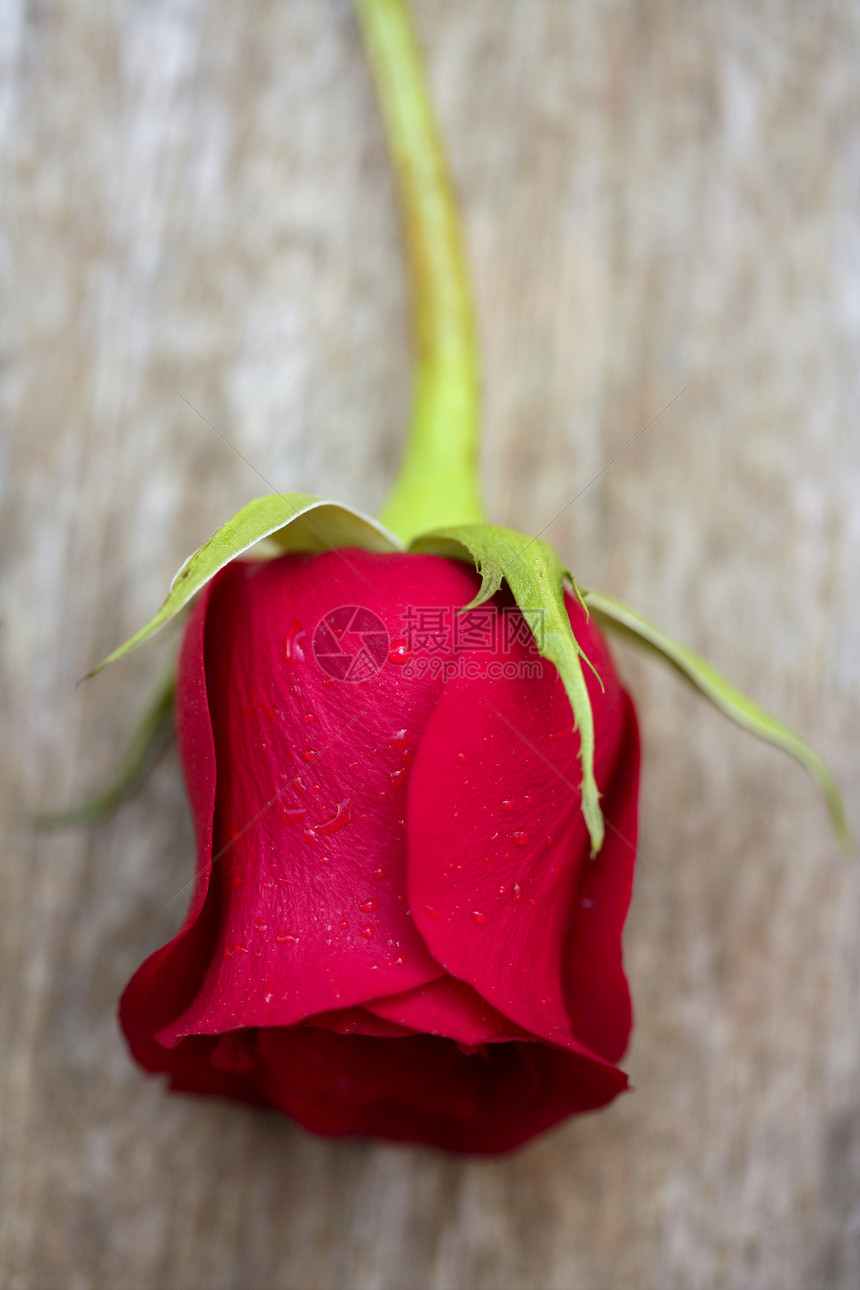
438,480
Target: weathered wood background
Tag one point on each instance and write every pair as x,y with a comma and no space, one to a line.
656,192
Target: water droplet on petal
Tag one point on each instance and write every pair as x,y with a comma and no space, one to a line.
342,816
479,917
398,740
368,906
521,837
462,758
399,652
560,734
368,931
283,937
292,814
293,651
400,960
432,911
502,889
586,903
308,718
516,891
309,754
396,777
343,924
507,804
379,873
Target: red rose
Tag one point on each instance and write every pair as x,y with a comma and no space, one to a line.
396,927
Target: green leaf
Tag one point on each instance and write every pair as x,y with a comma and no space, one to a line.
726,697
535,576
293,521
150,738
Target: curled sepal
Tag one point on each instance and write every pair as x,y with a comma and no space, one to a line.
292,521
535,576
725,696
151,736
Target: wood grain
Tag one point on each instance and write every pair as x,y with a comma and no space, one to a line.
655,193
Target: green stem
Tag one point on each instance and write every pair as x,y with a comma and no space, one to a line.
438,480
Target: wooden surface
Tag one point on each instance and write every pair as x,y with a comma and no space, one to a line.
196,195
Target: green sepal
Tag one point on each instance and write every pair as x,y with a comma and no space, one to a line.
292,521
725,696
536,577
151,736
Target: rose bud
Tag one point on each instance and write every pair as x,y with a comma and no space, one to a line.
397,926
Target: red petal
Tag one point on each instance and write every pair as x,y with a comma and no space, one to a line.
497,842
358,1021
448,1008
310,843
424,1089
598,998
166,983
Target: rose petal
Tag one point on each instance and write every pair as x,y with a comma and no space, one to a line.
167,981
497,841
358,1021
312,780
598,998
448,1008
425,1089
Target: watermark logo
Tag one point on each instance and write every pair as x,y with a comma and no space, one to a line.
351,643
